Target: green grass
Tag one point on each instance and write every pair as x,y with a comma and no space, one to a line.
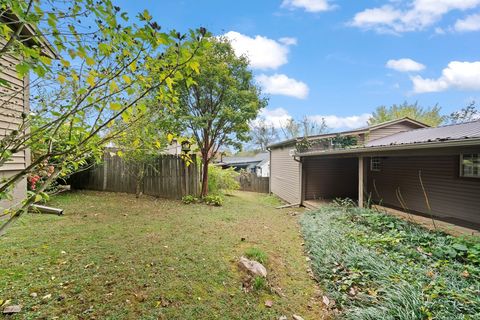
116,257
376,266
256,254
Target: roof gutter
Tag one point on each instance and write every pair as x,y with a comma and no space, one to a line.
415,146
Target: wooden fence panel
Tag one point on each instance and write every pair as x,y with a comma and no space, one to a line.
251,182
166,177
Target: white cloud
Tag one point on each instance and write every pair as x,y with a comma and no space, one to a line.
415,15
283,85
263,53
470,23
275,117
458,75
308,5
340,123
288,41
404,65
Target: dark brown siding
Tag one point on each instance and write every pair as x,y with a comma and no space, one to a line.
330,178
450,196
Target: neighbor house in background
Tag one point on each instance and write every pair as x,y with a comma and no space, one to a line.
14,100
258,164
401,164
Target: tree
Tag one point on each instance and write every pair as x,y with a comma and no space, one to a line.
139,146
96,81
466,114
263,134
217,106
305,127
430,116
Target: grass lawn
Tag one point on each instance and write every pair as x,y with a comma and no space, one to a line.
115,257
375,266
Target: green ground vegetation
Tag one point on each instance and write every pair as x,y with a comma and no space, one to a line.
113,256
375,266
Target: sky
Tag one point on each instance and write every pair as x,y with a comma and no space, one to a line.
339,60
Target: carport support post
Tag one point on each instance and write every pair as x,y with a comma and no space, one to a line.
360,181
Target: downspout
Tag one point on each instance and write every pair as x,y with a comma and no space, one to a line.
302,189
269,171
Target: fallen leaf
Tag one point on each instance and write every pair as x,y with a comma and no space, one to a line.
325,300
268,303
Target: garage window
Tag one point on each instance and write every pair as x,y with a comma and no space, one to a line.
470,165
375,163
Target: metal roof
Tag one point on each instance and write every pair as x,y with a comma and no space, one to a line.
461,131
244,160
349,132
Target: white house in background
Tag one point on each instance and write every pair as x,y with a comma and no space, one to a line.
258,164
263,168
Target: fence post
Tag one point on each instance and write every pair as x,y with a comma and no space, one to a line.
105,171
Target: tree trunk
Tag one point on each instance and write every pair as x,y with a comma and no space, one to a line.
204,191
139,180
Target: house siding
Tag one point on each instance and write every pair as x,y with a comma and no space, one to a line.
450,195
391,129
285,175
327,178
14,100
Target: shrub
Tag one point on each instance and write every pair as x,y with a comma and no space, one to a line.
222,180
188,199
256,254
214,200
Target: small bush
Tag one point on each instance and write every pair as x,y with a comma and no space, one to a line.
214,200
259,283
188,199
256,254
222,180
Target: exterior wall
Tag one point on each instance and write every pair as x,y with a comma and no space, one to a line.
391,129
13,101
285,175
328,178
263,170
451,196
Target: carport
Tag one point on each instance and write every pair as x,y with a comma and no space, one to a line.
325,178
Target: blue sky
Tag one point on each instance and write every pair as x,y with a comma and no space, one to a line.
341,59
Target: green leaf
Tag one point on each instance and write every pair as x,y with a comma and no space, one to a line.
113,86
169,83
127,79
38,198
45,60
22,69
61,78
146,15
91,80
459,247
65,63
115,106
90,61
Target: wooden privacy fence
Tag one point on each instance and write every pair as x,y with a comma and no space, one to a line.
167,177
251,182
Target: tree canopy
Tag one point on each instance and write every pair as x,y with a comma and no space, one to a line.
107,65
218,103
430,115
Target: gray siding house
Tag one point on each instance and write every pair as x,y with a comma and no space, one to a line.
402,164
14,100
